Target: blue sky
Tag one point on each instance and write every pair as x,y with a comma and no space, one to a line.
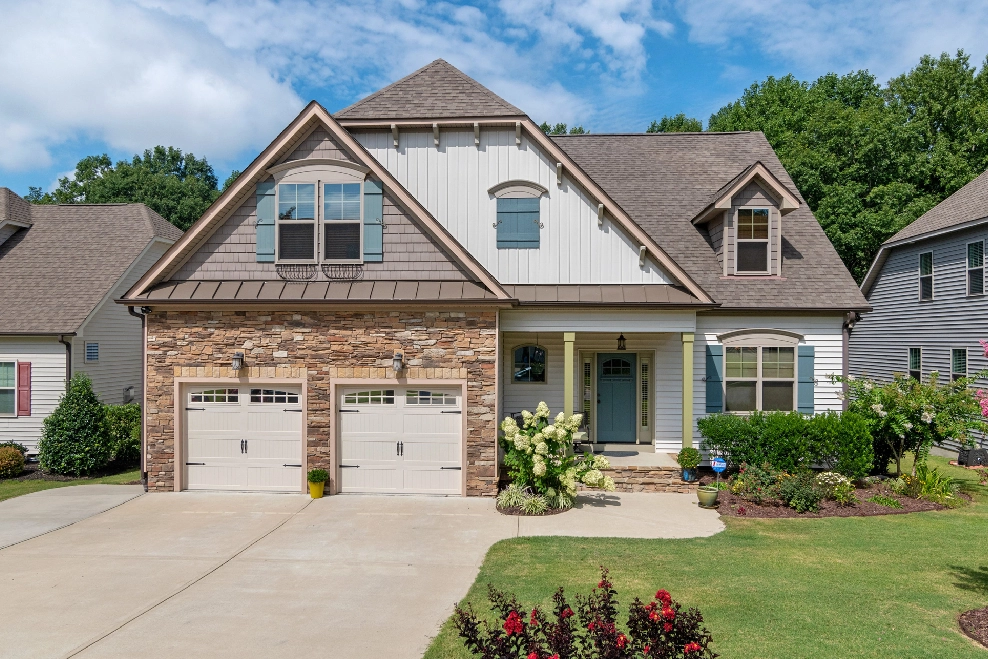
221,78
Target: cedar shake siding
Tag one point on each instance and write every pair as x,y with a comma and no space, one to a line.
322,347
318,144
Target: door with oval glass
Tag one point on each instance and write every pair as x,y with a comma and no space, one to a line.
616,388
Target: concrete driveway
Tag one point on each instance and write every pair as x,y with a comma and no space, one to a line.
250,575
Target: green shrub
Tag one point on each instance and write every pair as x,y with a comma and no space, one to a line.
837,487
732,436
756,484
74,440
19,447
885,500
842,443
534,504
11,462
318,476
801,493
123,426
689,458
511,497
783,436
933,485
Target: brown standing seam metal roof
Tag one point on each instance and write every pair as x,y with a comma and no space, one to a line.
663,180
968,204
603,294
318,291
436,91
54,273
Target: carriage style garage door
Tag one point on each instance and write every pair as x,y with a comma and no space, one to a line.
402,440
243,438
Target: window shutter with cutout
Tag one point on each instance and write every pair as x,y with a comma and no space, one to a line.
715,378
518,223
373,221
265,222
23,388
804,392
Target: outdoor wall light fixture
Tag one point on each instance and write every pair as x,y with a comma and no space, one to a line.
621,341
398,362
238,361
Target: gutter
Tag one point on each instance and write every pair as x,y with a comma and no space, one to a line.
142,314
68,358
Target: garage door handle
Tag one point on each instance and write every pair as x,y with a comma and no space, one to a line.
201,464
456,468
198,409
291,465
344,410
291,410
452,412
349,466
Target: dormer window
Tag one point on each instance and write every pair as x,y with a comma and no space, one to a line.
753,241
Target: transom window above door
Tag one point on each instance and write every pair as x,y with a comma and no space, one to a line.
529,364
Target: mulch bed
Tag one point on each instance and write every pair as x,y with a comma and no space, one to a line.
32,472
521,513
975,624
729,505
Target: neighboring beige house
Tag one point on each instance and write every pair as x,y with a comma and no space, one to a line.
61,268
382,285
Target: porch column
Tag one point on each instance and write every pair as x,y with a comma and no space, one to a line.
568,339
687,389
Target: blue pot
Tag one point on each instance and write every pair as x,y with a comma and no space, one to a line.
689,475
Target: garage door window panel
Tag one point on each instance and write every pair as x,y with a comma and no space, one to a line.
215,396
372,397
273,396
429,398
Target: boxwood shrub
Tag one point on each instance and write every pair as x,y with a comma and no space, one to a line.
123,427
74,440
790,441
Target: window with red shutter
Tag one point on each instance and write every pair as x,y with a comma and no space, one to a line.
23,388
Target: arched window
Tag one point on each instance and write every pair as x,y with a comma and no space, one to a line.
529,364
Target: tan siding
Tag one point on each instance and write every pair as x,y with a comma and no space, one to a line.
47,357
119,337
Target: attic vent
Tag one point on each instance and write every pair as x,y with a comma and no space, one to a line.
295,272
343,272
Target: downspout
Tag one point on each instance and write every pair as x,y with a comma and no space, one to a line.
142,314
68,359
849,320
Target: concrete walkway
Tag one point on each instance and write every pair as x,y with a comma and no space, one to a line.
31,515
249,575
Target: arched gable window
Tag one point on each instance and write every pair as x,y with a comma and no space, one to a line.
529,364
518,214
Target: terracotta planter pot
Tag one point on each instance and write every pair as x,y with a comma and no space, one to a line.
707,496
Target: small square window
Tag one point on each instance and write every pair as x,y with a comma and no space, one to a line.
92,352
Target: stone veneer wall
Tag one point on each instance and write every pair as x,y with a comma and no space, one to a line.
320,346
649,479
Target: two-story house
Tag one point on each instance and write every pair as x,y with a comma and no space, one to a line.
927,290
382,285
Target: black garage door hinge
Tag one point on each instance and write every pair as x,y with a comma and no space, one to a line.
455,468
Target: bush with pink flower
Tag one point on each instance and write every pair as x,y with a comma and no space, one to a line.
660,628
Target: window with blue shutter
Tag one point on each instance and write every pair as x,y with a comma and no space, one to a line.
715,378
264,240
804,392
518,223
373,221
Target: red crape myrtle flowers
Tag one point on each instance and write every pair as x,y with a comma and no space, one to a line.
659,629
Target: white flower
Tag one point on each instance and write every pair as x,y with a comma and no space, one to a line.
538,438
526,417
542,448
538,469
907,425
560,418
592,477
883,414
600,462
868,386
608,484
877,407
542,411
550,431
521,442
573,423
927,417
850,377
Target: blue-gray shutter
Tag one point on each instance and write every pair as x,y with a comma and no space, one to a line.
804,392
264,240
518,223
373,221
715,378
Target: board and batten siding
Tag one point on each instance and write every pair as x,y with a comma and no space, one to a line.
47,357
823,332
119,337
452,182
880,341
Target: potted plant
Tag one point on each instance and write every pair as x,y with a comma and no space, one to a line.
689,459
317,481
707,496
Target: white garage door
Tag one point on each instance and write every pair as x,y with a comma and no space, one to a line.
243,439
401,440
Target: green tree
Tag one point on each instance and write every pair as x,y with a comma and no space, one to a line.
74,438
560,129
234,175
178,186
677,124
870,159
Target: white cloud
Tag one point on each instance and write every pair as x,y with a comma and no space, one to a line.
131,78
887,38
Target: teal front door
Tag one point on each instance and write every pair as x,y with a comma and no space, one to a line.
616,398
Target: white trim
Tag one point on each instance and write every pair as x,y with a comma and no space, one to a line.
330,165
759,378
759,336
516,189
767,240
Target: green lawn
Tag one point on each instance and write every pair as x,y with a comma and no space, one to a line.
12,488
888,586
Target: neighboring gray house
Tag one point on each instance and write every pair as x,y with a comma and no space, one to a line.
61,267
927,289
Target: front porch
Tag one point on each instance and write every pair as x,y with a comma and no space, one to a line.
647,470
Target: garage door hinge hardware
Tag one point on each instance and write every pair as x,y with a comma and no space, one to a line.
291,410
452,412
291,465
349,466
346,410
455,468
199,409
201,464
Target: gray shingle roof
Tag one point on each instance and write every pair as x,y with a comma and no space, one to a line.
436,91
56,272
966,205
662,180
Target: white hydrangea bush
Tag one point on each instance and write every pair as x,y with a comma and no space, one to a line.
539,457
